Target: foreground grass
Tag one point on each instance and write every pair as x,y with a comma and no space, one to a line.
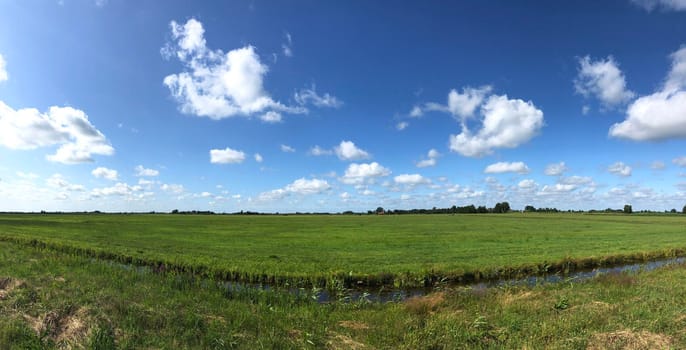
375,249
51,300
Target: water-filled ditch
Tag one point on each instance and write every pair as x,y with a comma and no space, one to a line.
386,294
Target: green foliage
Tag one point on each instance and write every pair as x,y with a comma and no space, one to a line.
628,209
306,251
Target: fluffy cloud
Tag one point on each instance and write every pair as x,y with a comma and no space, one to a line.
65,126
173,188
463,105
226,156
402,126
304,186
105,173
347,150
271,117
505,167
430,160
258,158
527,184
3,70
416,112
300,186
119,189
619,169
662,115
602,79
555,169
143,172
363,173
410,179
674,5
507,123
217,84
556,189
310,96
287,148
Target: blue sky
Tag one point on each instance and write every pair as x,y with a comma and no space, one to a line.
332,106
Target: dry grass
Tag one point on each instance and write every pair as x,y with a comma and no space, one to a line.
68,329
629,340
7,285
343,342
356,325
423,305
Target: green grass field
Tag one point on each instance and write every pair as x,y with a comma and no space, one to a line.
52,300
373,248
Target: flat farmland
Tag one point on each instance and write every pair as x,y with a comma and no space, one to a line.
363,246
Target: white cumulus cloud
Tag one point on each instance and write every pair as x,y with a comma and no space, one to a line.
258,158
602,79
505,167
662,115
430,160
68,127
226,156
217,84
105,173
347,150
141,171
363,173
619,169
300,186
507,123
410,179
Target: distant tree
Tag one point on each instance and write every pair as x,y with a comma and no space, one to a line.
684,210
673,211
379,210
175,211
503,207
482,209
529,208
628,209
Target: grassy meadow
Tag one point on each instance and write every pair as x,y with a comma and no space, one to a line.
52,300
403,250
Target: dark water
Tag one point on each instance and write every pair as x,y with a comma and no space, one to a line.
385,294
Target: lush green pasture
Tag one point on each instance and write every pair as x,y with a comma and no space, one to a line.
403,247
51,300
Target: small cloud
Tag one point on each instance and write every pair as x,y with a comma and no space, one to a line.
657,165
288,45
226,156
619,169
287,148
258,158
347,151
410,179
680,161
555,169
105,173
318,151
416,112
402,126
431,159
144,172
505,167
310,96
3,69
271,117
603,80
